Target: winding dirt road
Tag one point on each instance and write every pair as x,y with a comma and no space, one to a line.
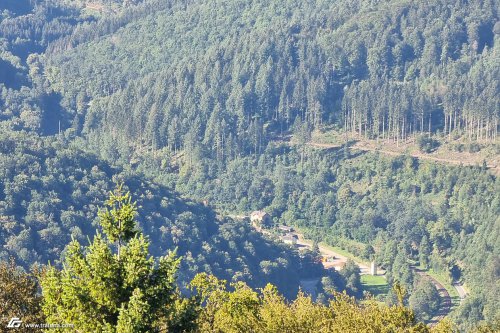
338,261
462,292
359,146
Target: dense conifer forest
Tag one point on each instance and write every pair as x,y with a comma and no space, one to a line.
209,109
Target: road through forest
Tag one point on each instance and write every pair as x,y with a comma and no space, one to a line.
340,260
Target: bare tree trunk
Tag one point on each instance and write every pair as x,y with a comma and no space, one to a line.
397,135
422,124
478,136
409,132
389,130
469,128
430,126
361,123
383,127
455,120
467,125
445,124
496,128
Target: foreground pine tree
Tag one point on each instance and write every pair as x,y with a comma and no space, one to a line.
113,285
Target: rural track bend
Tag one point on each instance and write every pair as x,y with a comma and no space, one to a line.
445,304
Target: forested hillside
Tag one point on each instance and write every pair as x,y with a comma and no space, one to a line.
51,191
114,285
244,71
400,211
216,101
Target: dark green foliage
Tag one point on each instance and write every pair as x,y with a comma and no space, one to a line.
473,147
48,194
193,95
424,251
424,299
427,144
407,210
368,252
351,274
267,66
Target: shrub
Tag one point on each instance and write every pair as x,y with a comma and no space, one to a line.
427,144
474,147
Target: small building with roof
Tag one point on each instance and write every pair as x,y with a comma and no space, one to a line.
260,219
285,229
290,239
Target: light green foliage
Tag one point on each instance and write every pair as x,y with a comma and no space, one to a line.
118,219
135,317
99,291
244,310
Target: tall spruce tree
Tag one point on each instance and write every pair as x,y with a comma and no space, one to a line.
102,290
424,252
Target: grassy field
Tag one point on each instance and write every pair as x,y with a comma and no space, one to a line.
375,285
345,253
